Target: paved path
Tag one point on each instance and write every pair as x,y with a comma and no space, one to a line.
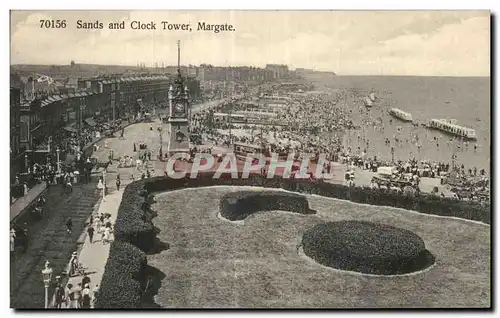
94,255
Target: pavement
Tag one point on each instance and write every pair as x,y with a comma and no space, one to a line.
94,256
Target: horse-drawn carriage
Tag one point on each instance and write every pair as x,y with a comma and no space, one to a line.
38,210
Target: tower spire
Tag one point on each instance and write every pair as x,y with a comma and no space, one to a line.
179,54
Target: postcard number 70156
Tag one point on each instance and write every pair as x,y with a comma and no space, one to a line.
52,24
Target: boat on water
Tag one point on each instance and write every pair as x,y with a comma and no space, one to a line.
450,126
399,114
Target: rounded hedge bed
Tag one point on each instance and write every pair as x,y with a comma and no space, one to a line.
236,206
366,247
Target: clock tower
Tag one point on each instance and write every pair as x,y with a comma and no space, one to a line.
178,121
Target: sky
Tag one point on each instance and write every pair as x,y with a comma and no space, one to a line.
420,43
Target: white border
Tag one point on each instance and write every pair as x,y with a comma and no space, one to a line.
214,4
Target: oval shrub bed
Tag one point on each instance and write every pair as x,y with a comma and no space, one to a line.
239,205
366,247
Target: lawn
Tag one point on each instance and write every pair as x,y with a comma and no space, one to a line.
214,263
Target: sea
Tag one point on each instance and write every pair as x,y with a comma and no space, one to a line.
466,99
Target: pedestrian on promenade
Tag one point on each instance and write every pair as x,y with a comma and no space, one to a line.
69,225
69,295
102,229
97,225
135,148
90,232
95,294
77,295
12,240
73,264
85,280
86,297
107,235
59,293
118,182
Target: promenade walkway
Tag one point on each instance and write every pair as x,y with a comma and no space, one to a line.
94,255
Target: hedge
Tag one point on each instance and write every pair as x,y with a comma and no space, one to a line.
366,247
134,217
134,220
124,277
239,205
423,203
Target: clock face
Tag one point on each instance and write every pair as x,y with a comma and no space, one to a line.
179,108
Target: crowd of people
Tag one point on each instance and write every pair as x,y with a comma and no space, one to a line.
72,147
337,124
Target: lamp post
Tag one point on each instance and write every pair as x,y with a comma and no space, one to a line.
392,154
47,278
58,162
26,162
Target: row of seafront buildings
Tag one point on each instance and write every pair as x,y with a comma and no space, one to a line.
37,115
271,72
208,72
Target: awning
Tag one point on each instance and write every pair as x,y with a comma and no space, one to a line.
90,121
70,129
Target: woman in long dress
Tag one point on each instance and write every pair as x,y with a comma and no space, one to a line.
106,237
97,225
12,240
100,185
